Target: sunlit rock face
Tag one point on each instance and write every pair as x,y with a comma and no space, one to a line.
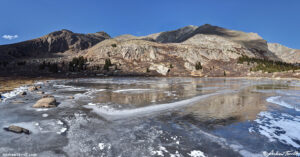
284,53
177,52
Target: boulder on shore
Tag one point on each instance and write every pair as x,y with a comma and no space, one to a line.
70,97
32,88
17,129
47,102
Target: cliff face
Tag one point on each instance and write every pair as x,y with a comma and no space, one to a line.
59,41
172,53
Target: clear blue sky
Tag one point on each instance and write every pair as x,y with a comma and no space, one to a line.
275,20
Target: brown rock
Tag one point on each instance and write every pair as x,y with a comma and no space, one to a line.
32,88
70,97
17,129
47,102
38,87
47,96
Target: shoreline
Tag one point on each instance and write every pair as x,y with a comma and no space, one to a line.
8,84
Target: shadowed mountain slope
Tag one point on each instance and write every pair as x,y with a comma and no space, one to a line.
58,41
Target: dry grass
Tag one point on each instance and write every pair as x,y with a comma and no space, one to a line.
10,83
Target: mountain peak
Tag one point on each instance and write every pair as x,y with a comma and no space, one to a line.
59,32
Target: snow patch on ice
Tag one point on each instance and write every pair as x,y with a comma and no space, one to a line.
42,109
196,153
59,122
280,127
103,146
158,152
62,130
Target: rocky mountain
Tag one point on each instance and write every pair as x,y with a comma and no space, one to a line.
251,41
58,41
216,48
284,53
189,51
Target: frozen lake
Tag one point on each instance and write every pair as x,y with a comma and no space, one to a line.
140,116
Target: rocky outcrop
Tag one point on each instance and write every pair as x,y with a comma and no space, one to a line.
17,129
160,68
47,102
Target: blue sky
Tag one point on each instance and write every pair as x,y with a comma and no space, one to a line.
275,20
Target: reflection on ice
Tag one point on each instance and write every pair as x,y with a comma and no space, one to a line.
236,106
148,110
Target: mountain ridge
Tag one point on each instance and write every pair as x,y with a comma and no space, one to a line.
172,53
54,42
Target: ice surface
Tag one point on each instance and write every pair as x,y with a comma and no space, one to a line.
282,101
132,90
280,127
111,113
